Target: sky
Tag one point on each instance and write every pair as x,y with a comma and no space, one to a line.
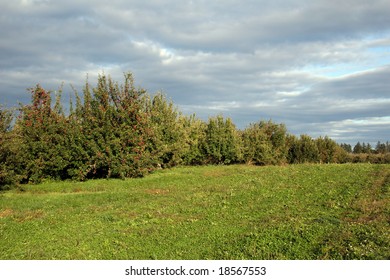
321,67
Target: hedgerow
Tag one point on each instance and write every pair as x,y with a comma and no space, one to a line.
120,131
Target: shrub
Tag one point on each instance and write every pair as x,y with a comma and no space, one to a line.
221,145
194,135
116,130
303,150
264,143
166,143
119,131
8,156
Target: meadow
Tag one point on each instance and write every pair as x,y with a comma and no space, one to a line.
307,211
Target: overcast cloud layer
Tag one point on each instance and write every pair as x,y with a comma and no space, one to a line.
321,67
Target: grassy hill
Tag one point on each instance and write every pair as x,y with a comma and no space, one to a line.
209,212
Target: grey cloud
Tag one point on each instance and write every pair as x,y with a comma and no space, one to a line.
224,26
248,60
369,130
365,85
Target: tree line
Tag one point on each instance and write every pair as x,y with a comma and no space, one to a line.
115,130
359,148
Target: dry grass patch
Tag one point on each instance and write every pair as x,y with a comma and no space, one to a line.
6,213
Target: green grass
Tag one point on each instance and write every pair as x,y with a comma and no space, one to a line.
212,212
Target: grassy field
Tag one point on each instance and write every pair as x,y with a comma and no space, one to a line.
212,212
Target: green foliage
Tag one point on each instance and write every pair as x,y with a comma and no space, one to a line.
264,143
380,148
115,130
42,129
119,131
194,135
167,142
6,117
105,136
346,147
221,145
8,147
303,150
327,149
358,149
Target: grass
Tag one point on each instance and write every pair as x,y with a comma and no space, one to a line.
212,212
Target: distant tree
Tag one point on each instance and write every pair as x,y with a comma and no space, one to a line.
367,148
380,148
358,149
346,147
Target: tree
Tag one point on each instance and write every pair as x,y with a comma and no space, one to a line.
8,150
105,136
380,148
346,147
358,149
167,142
221,143
116,129
194,136
264,143
119,131
367,148
303,150
6,118
327,149
43,132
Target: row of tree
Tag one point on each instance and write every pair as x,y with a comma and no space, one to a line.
359,148
120,131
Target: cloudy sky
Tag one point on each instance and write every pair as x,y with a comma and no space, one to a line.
322,67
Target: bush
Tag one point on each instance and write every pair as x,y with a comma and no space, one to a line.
115,129
264,143
11,152
303,150
119,131
327,149
221,145
194,135
166,144
104,137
